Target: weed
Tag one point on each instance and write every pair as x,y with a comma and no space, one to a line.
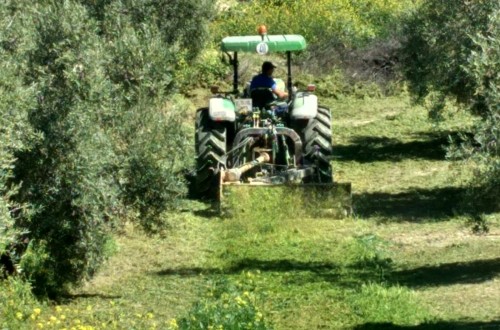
227,304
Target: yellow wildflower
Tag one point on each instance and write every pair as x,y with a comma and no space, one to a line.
37,311
149,315
58,309
53,318
39,325
173,324
62,317
240,301
89,308
19,315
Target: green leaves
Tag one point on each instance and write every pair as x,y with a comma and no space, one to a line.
89,135
439,40
453,50
349,24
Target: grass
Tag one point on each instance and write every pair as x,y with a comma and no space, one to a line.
407,259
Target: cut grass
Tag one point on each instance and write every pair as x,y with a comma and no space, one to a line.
407,258
354,272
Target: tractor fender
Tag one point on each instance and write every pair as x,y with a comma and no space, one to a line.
222,109
304,106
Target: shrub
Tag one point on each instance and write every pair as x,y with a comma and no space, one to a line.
439,42
453,50
16,303
91,78
15,132
65,176
483,67
155,157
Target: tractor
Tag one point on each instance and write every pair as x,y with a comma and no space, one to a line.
249,139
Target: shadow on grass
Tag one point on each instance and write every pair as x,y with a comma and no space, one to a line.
366,149
471,272
439,325
411,205
417,204
353,275
211,211
299,272
282,265
71,297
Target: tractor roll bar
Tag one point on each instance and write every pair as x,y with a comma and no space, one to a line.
260,131
289,68
234,62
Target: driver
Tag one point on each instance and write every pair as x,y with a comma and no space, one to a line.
265,80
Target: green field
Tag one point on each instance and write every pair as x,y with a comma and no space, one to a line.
407,258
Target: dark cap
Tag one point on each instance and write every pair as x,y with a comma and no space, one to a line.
267,66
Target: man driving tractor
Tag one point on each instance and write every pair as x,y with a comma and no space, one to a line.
265,80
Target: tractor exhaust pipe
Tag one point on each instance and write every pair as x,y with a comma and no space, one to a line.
234,174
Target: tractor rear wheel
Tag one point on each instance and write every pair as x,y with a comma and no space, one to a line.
317,140
210,145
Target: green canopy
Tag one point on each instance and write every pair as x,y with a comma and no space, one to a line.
275,43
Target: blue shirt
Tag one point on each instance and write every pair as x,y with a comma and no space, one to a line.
262,81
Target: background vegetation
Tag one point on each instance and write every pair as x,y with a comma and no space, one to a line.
326,23
351,44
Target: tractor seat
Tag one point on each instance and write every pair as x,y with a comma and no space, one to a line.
262,97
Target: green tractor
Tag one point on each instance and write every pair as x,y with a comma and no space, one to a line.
249,139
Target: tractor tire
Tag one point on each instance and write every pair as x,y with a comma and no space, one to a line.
317,145
210,146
